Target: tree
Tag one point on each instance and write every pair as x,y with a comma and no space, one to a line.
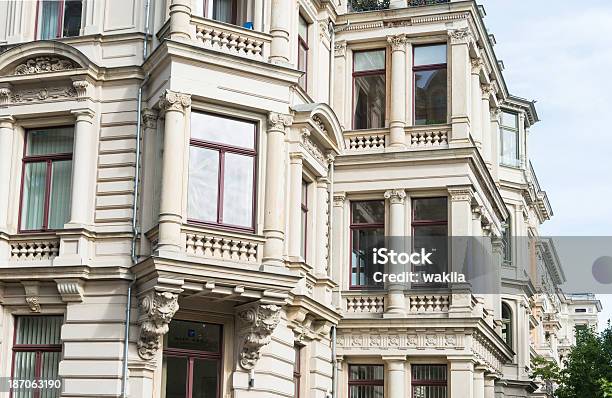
587,370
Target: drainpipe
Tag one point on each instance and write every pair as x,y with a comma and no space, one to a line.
128,308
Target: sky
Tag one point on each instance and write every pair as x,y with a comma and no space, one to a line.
559,53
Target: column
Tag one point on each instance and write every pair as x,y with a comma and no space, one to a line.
274,204
83,163
180,20
280,23
487,91
461,378
460,232
295,216
338,271
322,223
460,84
341,92
258,14
396,376
479,382
173,105
489,386
495,148
397,117
476,119
7,124
396,305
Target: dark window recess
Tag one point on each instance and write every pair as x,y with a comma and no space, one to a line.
430,232
429,381
367,232
366,381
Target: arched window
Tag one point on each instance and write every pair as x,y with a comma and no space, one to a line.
507,324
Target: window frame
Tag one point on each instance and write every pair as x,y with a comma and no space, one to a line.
517,134
60,20
358,226
192,355
425,383
48,159
426,223
234,17
303,45
508,323
507,257
373,72
38,349
221,149
425,68
304,218
371,382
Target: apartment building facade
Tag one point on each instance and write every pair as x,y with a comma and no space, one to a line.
208,170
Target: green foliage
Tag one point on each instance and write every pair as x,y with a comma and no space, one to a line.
369,5
587,369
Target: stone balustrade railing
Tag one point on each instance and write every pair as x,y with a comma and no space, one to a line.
427,136
365,304
231,39
223,246
34,249
366,141
428,303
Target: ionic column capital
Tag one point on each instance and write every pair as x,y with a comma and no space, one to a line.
488,90
460,36
279,121
395,196
83,115
398,42
174,101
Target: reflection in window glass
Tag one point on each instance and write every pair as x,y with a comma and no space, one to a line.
430,85
369,89
367,232
509,139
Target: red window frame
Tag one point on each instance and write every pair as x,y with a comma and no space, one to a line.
49,159
373,72
234,17
303,45
421,382
192,355
304,208
356,227
414,223
222,149
427,68
37,348
370,382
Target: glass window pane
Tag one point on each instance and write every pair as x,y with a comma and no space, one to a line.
24,369
198,336
222,130
362,265
175,372
33,201
205,378
368,212
59,201
203,184
434,239
510,120
430,99
72,17
36,330
50,141
49,371
369,102
430,209
222,10
49,19
303,29
368,60
509,147
430,55
238,190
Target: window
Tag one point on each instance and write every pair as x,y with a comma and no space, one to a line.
222,171
192,363
430,84
429,381
430,232
507,324
507,242
303,51
367,232
509,139
46,179
219,10
304,228
369,89
58,18
36,353
297,365
366,381
580,310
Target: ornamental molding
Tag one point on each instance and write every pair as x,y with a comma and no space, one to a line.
339,199
460,36
324,29
44,64
461,194
495,114
419,340
157,310
71,290
5,95
313,149
488,90
257,322
174,101
395,196
398,24
32,296
477,65
340,49
440,18
80,87
279,121
149,119
398,43
41,94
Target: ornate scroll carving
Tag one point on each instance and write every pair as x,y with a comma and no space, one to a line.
173,101
258,321
279,121
398,43
44,64
340,49
157,310
71,290
32,295
395,195
460,36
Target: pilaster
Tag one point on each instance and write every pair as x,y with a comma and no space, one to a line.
461,377
476,118
279,29
322,222
295,215
396,301
396,376
460,85
487,92
7,124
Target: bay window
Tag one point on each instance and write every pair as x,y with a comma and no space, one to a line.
429,381
46,179
222,163
192,361
58,18
430,84
369,89
36,353
303,51
430,232
509,139
367,232
366,381
304,220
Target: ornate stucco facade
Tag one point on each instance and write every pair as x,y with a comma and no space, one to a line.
133,86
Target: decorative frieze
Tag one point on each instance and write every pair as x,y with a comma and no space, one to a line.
339,199
157,310
461,194
44,64
42,94
257,322
418,340
173,101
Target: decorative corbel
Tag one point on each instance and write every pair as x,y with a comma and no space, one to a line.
71,290
156,312
32,295
257,322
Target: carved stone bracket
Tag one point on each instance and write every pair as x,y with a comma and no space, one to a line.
71,290
173,101
80,87
32,296
257,322
157,310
